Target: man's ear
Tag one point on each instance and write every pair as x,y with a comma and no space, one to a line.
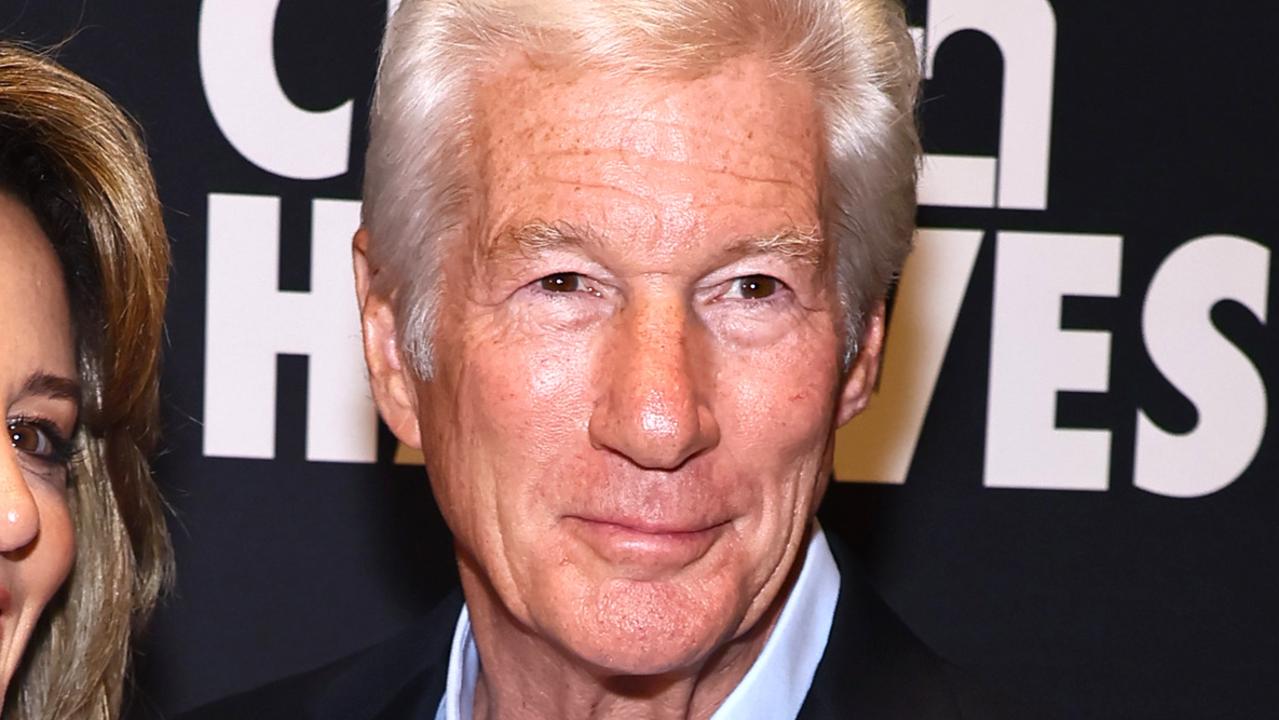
392,384
859,381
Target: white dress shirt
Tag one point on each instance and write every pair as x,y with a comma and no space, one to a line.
774,687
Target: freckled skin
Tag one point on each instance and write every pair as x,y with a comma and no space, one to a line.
37,541
654,394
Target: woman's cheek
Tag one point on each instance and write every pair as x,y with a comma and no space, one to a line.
56,544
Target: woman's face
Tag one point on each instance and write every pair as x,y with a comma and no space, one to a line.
40,398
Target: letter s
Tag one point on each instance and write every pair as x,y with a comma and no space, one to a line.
1216,376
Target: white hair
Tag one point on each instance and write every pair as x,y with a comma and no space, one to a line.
420,172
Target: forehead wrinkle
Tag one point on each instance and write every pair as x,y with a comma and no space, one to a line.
758,157
593,183
613,152
628,180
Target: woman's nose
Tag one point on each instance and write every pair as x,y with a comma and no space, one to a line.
19,517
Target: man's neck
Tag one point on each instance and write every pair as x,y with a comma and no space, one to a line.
525,677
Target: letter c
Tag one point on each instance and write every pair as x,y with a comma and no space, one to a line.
237,66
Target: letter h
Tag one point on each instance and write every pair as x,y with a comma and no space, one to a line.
250,320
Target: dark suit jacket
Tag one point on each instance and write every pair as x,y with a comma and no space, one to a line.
873,668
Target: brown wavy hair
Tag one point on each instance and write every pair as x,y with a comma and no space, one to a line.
72,157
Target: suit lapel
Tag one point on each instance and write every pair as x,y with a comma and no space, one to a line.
411,671
873,667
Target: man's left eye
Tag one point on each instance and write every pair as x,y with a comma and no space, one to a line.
562,283
755,287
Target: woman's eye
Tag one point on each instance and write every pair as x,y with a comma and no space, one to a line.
38,442
755,287
31,439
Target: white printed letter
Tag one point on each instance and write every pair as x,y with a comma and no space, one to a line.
250,321
877,446
1026,33
237,64
1032,358
1220,380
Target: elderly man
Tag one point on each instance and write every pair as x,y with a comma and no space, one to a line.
621,276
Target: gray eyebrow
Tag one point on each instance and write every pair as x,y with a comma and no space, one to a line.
533,237
807,246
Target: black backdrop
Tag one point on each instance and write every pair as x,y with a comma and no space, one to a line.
1091,510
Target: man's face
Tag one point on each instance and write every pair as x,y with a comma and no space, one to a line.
637,375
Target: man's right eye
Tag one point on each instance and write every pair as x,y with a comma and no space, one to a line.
562,283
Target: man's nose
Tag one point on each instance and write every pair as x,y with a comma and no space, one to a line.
19,518
654,406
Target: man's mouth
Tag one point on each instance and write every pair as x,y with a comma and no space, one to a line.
643,543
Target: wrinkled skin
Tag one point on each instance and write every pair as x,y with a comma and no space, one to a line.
632,413
40,400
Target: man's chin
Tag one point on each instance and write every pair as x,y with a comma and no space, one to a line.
651,659
649,628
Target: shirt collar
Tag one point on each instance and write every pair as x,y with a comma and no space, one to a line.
776,683
464,672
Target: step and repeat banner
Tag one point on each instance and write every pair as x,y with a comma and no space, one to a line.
1068,480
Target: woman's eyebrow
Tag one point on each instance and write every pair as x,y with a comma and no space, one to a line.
52,386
